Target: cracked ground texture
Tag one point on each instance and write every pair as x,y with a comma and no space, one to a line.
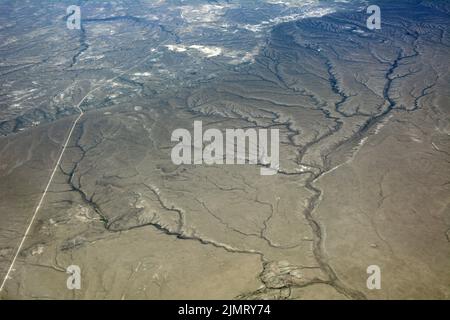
363,180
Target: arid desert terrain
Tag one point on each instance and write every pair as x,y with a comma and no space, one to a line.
87,179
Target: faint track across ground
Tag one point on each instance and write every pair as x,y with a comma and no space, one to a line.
58,162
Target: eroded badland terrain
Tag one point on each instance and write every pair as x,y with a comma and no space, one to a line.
364,177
